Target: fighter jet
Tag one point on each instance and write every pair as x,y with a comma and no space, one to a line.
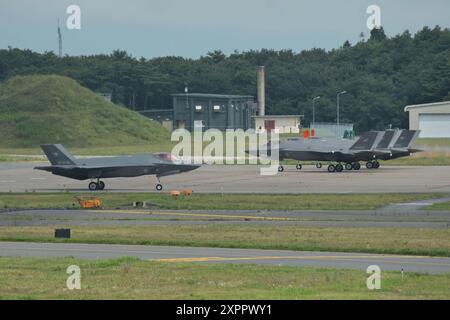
64,164
370,147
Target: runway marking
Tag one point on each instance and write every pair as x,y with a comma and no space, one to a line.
198,215
335,258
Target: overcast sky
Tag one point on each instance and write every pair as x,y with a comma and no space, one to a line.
191,28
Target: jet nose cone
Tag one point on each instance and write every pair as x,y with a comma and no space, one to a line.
189,167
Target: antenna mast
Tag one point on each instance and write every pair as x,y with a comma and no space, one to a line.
60,40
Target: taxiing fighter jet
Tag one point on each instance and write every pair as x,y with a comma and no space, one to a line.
370,147
64,164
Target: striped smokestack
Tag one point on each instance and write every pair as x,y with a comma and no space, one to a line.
261,91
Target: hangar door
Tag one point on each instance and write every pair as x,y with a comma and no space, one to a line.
434,125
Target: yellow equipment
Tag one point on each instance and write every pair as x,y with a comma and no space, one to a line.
89,202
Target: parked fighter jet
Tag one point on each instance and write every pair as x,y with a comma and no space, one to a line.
370,147
64,164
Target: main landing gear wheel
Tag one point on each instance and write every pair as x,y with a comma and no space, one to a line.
331,168
356,166
369,165
298,166
339,167
280,169
376,164
159,187
318,165
99,185
348,166
93,186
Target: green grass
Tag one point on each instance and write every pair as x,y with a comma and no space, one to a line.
129,278
217,201
407,241
55,109
433,142
445,206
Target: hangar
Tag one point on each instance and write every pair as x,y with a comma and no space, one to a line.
432,119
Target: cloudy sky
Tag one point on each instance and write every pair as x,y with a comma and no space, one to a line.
191,28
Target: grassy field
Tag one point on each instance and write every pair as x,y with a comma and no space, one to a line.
445,206
431,242
217,201
433,142
128,278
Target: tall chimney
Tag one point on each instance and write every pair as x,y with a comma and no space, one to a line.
261,91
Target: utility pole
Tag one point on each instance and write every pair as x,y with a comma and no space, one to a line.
337,113
59,40
314,110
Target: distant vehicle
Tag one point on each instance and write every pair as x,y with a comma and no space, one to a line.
64,164
347,154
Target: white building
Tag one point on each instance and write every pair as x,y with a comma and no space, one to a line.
281,123
433,119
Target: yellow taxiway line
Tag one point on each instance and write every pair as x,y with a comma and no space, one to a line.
197,215
335,258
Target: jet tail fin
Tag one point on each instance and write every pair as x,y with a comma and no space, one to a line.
57,154
406,139
366,141
386,140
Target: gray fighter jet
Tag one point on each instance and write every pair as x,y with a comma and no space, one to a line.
64,164
370,147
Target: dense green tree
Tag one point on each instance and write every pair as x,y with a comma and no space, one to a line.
381,76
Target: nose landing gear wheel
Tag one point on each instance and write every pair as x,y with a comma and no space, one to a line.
159,187
280,169
339,167
331,168
318,165
298,166
93,186
348,166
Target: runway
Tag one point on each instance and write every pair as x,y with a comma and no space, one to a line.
220,255
20,177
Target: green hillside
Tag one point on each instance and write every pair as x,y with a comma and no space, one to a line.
55,109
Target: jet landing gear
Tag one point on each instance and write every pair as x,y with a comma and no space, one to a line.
298,166
159,186
372,164
99,185
356,166
335,168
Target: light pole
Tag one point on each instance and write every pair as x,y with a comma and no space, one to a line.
337,113
314,110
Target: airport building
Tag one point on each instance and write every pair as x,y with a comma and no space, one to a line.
432,119
213,111
280,123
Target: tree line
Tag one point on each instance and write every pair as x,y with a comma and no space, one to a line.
381,76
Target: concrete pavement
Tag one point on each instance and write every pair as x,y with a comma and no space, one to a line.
20,177
221,255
